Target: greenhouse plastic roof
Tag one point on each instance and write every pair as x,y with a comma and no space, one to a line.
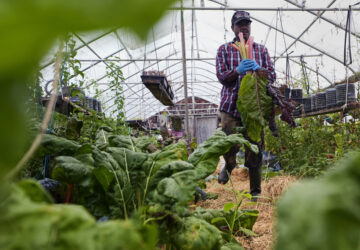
286,27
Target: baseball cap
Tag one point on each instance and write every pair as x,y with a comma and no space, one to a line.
239,16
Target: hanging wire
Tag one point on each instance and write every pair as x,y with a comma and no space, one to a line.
306,79
347,88
277,18
142,89
157,61
283,32
225,28
357,44
288,72
317,75
269,29
347,43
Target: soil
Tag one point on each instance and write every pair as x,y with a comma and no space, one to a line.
271,191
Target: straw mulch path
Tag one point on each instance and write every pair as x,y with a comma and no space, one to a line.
271,189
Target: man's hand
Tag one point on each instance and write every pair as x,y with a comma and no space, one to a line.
245,65
255,66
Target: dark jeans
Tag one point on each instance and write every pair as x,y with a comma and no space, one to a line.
252,161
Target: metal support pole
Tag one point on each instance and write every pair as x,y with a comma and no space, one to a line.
175,59
187,131
263,9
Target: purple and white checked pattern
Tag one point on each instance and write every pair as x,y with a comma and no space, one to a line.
227,59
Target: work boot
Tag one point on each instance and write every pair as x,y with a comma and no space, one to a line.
255,181
225,174
254,197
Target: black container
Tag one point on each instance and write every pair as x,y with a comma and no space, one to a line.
287,93
313,102
341,93
307,104
320,100
95,105
99,107
296,94
330,98
90,103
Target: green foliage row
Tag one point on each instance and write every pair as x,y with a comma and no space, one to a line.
322,214
310,148
115,177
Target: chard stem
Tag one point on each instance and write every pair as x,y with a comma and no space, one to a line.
121,193
148,179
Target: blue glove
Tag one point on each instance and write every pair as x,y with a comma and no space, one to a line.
255,66
245,65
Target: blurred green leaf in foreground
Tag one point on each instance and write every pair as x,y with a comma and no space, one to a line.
323,213
29,29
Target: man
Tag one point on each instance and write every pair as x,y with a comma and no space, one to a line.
230,69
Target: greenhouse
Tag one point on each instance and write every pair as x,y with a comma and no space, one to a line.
180,124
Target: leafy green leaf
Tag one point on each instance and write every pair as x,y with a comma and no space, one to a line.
231,246
217,219
27,224
35,191
40,24
195,233
206,156
254,105
54,145
244,218
228,206
248,232
104,176
69,169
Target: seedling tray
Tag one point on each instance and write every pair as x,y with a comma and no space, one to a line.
160,88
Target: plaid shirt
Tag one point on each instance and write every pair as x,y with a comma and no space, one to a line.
227,59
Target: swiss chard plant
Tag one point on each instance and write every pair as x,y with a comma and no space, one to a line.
116,177
256,104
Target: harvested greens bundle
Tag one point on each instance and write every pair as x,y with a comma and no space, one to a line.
257,99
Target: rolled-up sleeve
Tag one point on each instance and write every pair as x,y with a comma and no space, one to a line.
268,64
222,68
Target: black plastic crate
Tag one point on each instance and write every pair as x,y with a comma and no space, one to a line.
341,93
99,107
320,100
313,102
330,98
296,94
307,104
96,105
